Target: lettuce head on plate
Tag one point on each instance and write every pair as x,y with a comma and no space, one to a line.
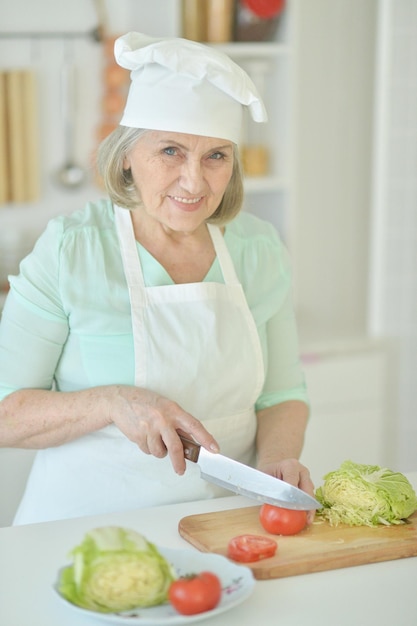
116,569
368,495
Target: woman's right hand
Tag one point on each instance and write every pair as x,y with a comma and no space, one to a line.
39,418
153,422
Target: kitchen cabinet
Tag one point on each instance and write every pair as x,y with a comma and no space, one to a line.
351,408
329,214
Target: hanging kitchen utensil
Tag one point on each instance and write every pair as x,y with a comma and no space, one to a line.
70,175
4,158
16,136
32,148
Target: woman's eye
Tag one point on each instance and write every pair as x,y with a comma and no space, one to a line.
217,155
170,151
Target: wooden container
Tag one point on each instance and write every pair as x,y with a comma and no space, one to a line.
255,160
220,20
194,20
4,182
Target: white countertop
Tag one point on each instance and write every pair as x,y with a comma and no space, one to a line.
379,594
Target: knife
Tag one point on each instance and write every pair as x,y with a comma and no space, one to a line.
245,480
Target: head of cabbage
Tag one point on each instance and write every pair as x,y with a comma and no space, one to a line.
357,495
116,569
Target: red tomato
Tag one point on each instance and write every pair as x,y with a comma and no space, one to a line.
265,9
250,548
278,521
196,593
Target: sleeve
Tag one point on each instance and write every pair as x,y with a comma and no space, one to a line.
34,326
278,330
284,375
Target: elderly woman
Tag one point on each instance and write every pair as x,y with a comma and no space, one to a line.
158,311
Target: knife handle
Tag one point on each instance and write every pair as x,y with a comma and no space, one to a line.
191,449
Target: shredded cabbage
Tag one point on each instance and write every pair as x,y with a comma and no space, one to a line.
116,569
368,495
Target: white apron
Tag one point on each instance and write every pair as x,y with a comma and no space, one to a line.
194,343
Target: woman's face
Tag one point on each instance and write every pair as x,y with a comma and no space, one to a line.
181,178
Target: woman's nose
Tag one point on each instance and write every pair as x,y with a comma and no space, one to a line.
191,177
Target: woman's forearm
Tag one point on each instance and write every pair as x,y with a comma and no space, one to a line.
281,431
280,441
37,418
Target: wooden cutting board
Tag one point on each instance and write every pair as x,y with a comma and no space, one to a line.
317,548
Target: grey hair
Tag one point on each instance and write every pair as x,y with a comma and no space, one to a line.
121,188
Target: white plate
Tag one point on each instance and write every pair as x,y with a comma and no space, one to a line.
237,585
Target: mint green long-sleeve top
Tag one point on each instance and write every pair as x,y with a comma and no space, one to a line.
66,323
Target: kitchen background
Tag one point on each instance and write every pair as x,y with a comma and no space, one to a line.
338,177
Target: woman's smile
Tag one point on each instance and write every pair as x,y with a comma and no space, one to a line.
187,200
187,204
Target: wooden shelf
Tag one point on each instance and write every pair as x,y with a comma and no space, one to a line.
265,184
253,49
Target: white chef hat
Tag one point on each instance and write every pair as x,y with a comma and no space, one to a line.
183,86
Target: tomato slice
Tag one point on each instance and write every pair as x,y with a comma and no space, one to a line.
250,548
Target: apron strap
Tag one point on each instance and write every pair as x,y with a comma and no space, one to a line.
223,255
128,247
135,284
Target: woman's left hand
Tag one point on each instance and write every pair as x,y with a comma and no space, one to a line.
294,473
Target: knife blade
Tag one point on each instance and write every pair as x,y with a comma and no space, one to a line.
245,480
